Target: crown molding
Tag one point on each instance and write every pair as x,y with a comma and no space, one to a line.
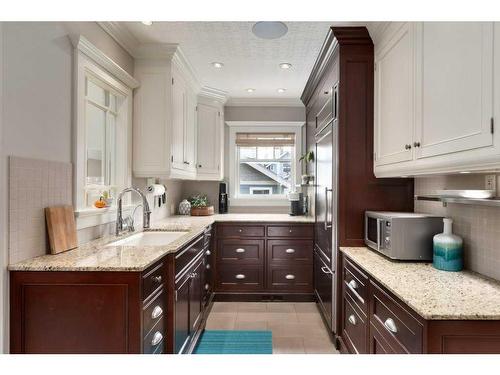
187,70
121,35
83,45
214,94
257,124
264,102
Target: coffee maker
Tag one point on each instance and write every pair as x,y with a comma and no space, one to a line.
223,198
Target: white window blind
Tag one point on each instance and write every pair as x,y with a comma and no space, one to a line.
265,139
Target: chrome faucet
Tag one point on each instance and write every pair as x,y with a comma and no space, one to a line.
122,224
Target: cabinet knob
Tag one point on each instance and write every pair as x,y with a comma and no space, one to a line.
240,250
240,276
207,252
157,279
390,325
240,230
157,338
157,311
290,251
416,144
352,320
207,286
407,147
207,266
290,277
353,284
290,230
199,166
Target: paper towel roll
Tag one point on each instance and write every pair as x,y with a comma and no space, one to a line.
156,189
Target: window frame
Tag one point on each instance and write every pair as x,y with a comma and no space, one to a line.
237,199
90,62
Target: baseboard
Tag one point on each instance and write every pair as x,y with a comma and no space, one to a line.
263,297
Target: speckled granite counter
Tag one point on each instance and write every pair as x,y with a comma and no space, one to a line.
433,294
96,256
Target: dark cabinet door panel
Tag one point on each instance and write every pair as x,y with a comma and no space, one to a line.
354,327
243,230
298,231
240,277
323,284
295,251
378,344
181,316
297,278
241,250
196,295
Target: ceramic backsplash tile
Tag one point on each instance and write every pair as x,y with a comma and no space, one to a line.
479,226
34,185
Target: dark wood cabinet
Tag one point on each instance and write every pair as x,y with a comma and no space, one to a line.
264,261
182,327
383,324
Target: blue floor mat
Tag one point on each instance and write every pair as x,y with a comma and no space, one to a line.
235,342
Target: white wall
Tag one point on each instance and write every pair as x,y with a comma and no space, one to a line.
37,110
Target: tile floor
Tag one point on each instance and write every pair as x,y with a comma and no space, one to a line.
297,327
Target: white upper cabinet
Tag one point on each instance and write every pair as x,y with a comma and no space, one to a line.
165,138
210,142
455,87
435,91
394,98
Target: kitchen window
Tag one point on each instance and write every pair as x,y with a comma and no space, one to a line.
263,164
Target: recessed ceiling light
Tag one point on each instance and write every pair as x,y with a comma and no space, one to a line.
269,30
281,90
147,23
250,90
217,65
285,65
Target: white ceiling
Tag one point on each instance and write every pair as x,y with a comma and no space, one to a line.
248,61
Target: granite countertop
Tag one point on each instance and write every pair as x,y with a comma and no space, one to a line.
433,294
96,256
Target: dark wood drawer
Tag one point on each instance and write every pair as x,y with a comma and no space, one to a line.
185,256
297,278
153,312
356,285
152,279
241,251
242,230
378,343
154,342
355,328
298,231
293,251
397,324
240,277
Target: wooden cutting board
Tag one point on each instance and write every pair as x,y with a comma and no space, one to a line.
61,228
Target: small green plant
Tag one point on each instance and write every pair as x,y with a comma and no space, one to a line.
308,157
198,201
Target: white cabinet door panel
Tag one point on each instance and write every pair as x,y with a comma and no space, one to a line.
209,140
178,120
454,87
394,98
190,133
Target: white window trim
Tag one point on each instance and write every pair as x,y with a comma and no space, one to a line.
261,126
89,60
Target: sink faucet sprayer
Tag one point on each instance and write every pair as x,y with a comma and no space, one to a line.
121,224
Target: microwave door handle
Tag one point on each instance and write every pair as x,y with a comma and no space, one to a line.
379,223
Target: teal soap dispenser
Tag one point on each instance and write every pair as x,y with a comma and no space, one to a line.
448,249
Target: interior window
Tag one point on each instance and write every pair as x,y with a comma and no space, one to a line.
265,163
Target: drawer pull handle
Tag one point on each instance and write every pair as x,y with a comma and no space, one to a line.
157,311
390,325
352,320
353,284
240,250
207,252
157,279
240,276
207,266
157,338
326,270
290,277
207,286
290,251
240,230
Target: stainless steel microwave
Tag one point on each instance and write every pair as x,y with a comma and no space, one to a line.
402,235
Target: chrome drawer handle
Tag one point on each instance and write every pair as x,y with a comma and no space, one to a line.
390,325
207,252
290,251
240,276
326,270
207,266
240,250
157,338
157,311
352,320
290,277
353,284
157,279
207,286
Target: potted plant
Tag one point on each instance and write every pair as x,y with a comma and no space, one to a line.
308,157
200,206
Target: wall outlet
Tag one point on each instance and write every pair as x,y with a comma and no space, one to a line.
490,182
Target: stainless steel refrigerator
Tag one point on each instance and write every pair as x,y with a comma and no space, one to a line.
326,207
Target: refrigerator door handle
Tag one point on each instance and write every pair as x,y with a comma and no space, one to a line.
327,209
